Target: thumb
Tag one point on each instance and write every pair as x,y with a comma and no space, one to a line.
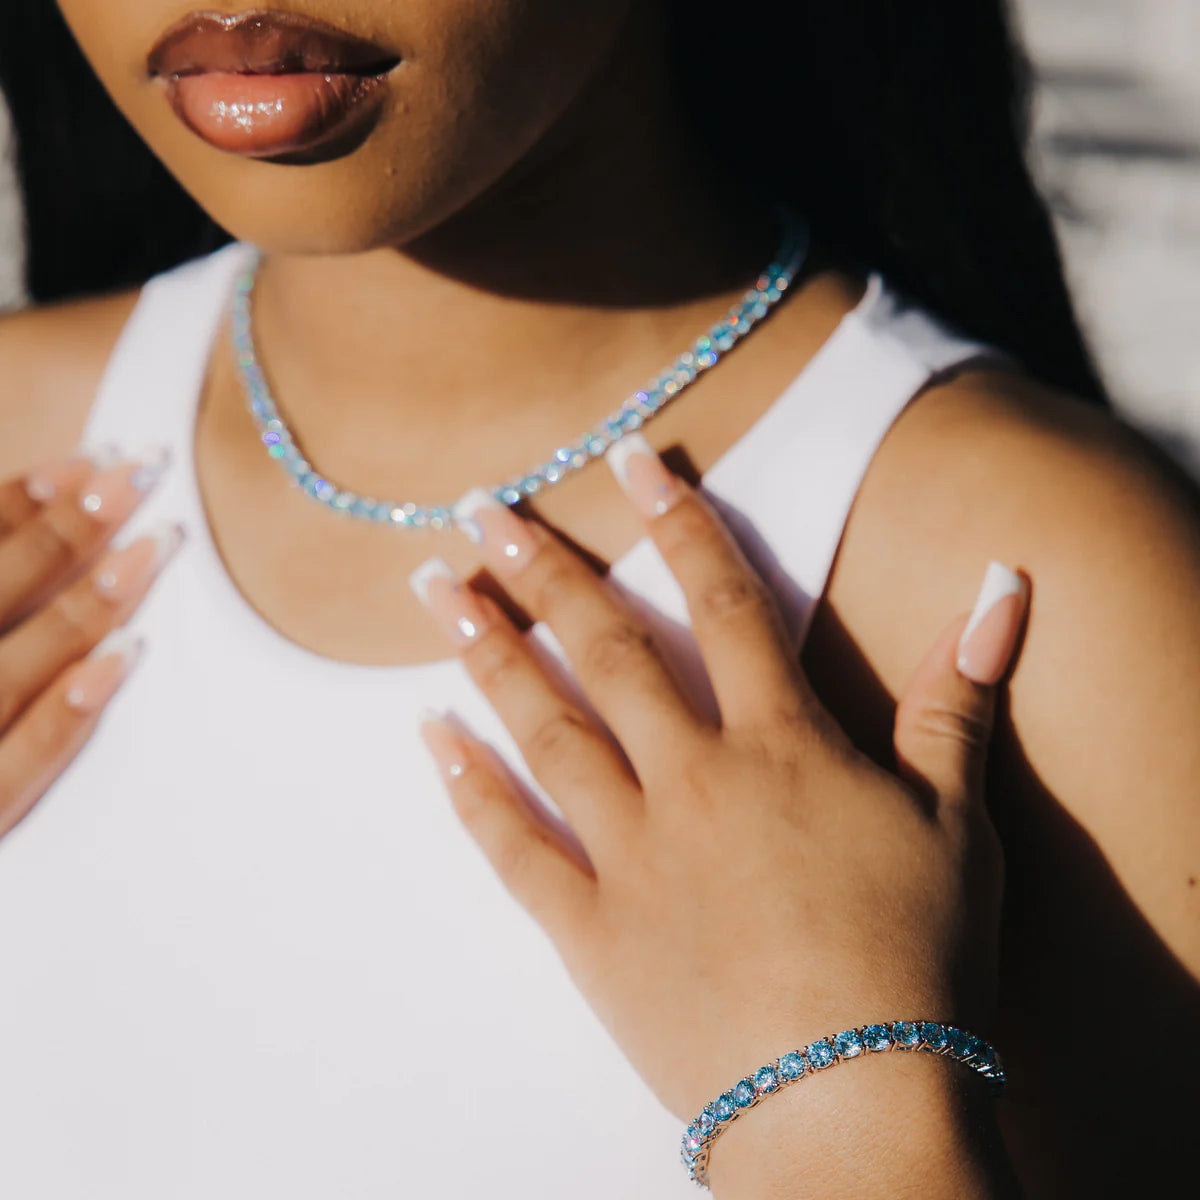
944,719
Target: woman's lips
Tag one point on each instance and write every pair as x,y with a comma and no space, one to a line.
266,83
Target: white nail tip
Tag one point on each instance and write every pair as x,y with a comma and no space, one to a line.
998,582
426,573
121,642
167,536
619,453
468,505
150,467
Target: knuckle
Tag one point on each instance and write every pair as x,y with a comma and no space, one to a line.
80,617
734,596
957,725
553,578
616,650
49,543
687,526
557,735
494,661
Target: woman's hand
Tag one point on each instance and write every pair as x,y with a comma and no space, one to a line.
62,590
748,886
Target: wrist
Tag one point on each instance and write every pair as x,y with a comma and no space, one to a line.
894,1124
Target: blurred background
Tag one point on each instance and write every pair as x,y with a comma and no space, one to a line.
1117,150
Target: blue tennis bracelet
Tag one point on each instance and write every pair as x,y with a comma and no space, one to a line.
929,1036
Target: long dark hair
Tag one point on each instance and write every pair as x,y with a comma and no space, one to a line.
898,126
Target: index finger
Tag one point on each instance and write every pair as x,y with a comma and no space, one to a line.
44,552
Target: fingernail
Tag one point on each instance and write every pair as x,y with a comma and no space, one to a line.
114,492
49,481
445,744
456,609
643,476
991,633
97,678
508,542
123,572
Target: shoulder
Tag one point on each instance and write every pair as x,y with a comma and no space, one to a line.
1104,700
51,361
994,465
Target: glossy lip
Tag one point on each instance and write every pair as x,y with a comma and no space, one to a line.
263,42
268,83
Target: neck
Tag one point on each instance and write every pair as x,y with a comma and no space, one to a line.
540,304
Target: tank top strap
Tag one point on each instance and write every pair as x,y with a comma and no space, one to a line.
787,486
152,381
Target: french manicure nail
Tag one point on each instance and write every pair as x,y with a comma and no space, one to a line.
991,632
508,542
643,476
445,744
113,493
125,570
98,677
47,482
458,612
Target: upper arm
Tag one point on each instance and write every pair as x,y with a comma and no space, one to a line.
51,361
1103,706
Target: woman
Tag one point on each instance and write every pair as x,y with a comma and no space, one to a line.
254,955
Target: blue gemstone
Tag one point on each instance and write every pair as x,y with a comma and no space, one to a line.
530,484
631,420
692,1141
706,1122
723,1106
848,1044
791,1065
906,1033
933,1035
563,454
277,451
595,446
510,495
553,473
820,1055
766,1079
957,1041
877,1037
743,1093
707,359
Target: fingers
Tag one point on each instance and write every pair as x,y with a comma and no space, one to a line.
540,875
42,646
751,662
568,754
21,498
48,548
944,719
613,655
48,735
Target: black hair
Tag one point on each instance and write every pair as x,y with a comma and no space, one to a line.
898,126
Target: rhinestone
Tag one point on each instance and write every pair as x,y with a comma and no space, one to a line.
705,1123
820,1055
594,445
277,451
530,484
553,473
906,1033
743,1093
723,1106
270,439
848,1044
344,500
933,1035
877,1037
957,1042
563,454
510,495
398,516
766,1079
630,421
708,358
792,1065
691,1142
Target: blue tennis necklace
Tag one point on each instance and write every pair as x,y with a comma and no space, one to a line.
639,408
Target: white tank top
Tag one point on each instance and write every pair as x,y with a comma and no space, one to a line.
247,950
